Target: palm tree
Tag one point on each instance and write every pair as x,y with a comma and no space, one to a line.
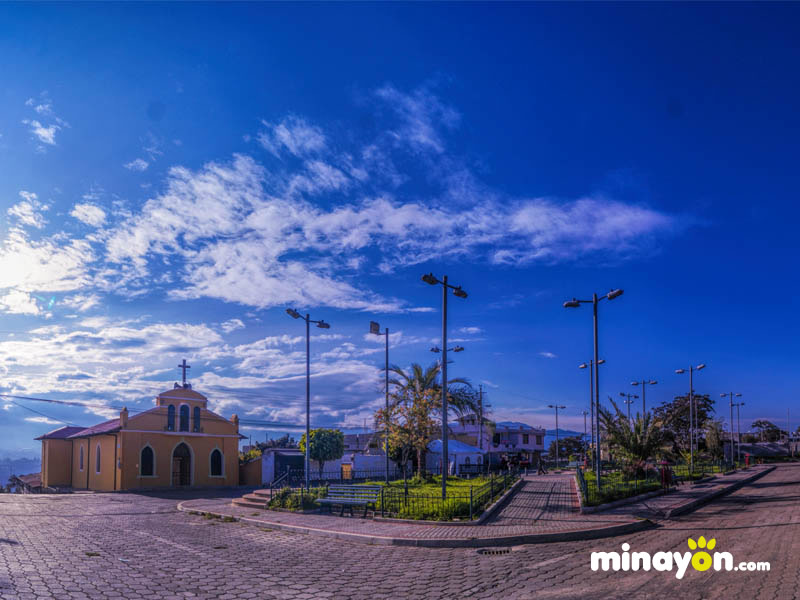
637,439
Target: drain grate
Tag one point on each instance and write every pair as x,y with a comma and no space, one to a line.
494,551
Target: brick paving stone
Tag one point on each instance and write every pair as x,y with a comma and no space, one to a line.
44,540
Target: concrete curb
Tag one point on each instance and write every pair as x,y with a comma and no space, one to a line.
513,540
698,502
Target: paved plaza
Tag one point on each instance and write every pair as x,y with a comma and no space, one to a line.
139,546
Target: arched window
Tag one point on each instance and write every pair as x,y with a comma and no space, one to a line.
147,462
97,459
171,418
184,418
196,418
80,460
216,463
480,459
466,460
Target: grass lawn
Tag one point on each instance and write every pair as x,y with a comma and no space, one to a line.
457,485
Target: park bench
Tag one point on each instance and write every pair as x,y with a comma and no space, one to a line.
348,496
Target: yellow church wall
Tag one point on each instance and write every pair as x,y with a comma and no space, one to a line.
156,420
56,462
163,444
79,475
104,480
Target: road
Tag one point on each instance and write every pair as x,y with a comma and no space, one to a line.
138,546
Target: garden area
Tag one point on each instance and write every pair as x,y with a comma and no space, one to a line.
419,498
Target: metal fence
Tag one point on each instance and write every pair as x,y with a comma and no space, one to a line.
404,501
297,477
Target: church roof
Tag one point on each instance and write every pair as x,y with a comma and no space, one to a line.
180,393
61,433
111,426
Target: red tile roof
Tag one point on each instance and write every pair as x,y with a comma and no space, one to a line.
111,426
61,433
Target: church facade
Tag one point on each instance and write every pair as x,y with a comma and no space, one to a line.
178,443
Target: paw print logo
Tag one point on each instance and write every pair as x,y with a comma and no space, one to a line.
701,561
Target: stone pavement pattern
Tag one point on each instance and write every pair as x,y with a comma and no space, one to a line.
149,550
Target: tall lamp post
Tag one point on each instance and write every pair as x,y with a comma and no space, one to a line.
591,366
644,383
459,293
575,303
692,410
322,325
629,398
556,406
731,394
585,435
375,328
738,432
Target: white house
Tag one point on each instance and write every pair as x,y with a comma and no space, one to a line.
458,453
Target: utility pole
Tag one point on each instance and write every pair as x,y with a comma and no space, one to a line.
480,416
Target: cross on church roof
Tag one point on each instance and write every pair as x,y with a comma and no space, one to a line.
184,366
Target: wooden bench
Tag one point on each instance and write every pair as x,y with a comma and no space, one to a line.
348,496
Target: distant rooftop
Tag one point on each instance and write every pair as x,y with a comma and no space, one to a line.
61,433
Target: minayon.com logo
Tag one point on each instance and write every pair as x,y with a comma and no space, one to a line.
673,561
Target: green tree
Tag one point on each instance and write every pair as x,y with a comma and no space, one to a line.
567,446
674,419
326,445
714,439
636,440
767,430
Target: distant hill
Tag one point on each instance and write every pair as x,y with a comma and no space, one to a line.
18,466
562,433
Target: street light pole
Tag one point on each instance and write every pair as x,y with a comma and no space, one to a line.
585,441
644,383
457,291
322,325
731,394
592,366
556,406
738,431
575,303
628,401
376,329
692,410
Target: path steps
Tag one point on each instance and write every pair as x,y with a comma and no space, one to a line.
257,499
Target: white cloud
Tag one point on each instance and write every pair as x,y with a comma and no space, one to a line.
45,134
91,214
28,212
52,264
81,302
547,355
293,134
232,325
45,420
420,114
20,303
137,164
470,330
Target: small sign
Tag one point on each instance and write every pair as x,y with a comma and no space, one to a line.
374,327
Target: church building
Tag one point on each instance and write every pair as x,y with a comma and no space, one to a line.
178,443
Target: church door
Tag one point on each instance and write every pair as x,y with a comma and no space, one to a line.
181,465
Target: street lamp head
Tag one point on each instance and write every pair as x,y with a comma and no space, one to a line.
293,313
652,382
458,349
699,367
429,278
602,361
583,366
623,394
374,327
323,325
614,294
680,371
435,349
459,292
722,395
738,395
634,383
572,303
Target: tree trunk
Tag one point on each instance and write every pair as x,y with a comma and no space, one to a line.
419,462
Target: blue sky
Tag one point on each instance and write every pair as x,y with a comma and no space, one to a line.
172,177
